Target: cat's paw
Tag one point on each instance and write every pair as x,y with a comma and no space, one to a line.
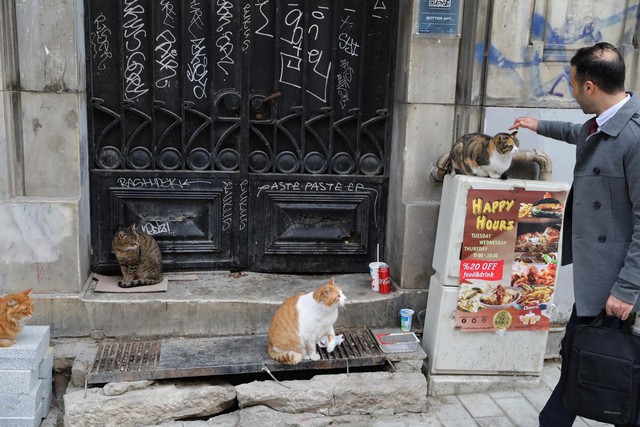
124,284
314,356
331,346
504,176
6,342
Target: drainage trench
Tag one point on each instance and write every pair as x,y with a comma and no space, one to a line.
195,357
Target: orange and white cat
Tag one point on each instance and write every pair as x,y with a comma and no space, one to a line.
303,320
15,309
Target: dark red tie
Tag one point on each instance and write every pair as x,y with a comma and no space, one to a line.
593,127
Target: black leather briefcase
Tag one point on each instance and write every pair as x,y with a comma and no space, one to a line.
602,374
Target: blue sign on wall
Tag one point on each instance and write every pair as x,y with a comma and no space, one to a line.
439,18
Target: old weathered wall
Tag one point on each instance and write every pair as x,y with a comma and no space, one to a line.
531,43
43,184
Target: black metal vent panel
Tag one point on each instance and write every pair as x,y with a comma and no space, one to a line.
196,357
315,222
336,218
191,217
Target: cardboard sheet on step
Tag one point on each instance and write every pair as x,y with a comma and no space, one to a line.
110,284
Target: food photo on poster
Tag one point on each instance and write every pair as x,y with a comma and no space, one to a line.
509,259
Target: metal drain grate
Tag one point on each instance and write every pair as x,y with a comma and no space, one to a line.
194,357
128,356
357,343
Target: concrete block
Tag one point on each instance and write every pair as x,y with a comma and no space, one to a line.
23,405
16,382
40,248
51,53
33,421
20,422
417,249
46,365
52,142
28,351
47,400
432,81
429,132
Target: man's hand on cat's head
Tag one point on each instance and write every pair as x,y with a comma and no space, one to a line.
525,122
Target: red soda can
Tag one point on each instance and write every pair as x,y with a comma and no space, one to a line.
385,280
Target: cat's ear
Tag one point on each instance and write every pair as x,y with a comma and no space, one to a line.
133,227
331,282
514,133
27,292
12,302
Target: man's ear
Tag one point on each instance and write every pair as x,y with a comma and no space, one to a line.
589,87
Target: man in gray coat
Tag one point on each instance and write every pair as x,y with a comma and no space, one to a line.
601,233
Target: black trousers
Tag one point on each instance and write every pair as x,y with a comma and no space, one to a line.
554,413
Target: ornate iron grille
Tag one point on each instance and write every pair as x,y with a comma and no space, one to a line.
214,92
168,93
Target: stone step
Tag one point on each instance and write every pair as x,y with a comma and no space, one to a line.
214,304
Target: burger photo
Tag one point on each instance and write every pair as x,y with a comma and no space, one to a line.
547,208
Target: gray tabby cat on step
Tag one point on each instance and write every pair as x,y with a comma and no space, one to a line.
139,257
479,155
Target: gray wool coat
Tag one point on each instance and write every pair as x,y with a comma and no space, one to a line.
602,219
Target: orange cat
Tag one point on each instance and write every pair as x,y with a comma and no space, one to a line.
15,309
301,321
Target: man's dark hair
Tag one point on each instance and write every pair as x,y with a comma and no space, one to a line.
602,64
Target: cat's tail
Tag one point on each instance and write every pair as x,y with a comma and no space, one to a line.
440,168
138,282
286,357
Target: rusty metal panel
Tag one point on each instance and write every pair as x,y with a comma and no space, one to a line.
196,357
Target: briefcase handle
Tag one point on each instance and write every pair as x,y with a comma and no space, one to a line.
626,326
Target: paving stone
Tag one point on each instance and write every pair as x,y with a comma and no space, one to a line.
592,423
451,412
520,410
579,422
494,422
537,397
480,405
551,376
505,394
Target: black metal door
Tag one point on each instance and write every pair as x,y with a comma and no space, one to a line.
242,134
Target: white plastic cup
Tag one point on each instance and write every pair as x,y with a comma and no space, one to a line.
374,270
406,316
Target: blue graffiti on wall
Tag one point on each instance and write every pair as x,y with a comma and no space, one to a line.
555,40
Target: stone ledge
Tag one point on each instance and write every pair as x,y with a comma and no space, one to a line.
444,385
324,399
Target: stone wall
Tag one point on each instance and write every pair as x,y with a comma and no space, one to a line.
43,187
